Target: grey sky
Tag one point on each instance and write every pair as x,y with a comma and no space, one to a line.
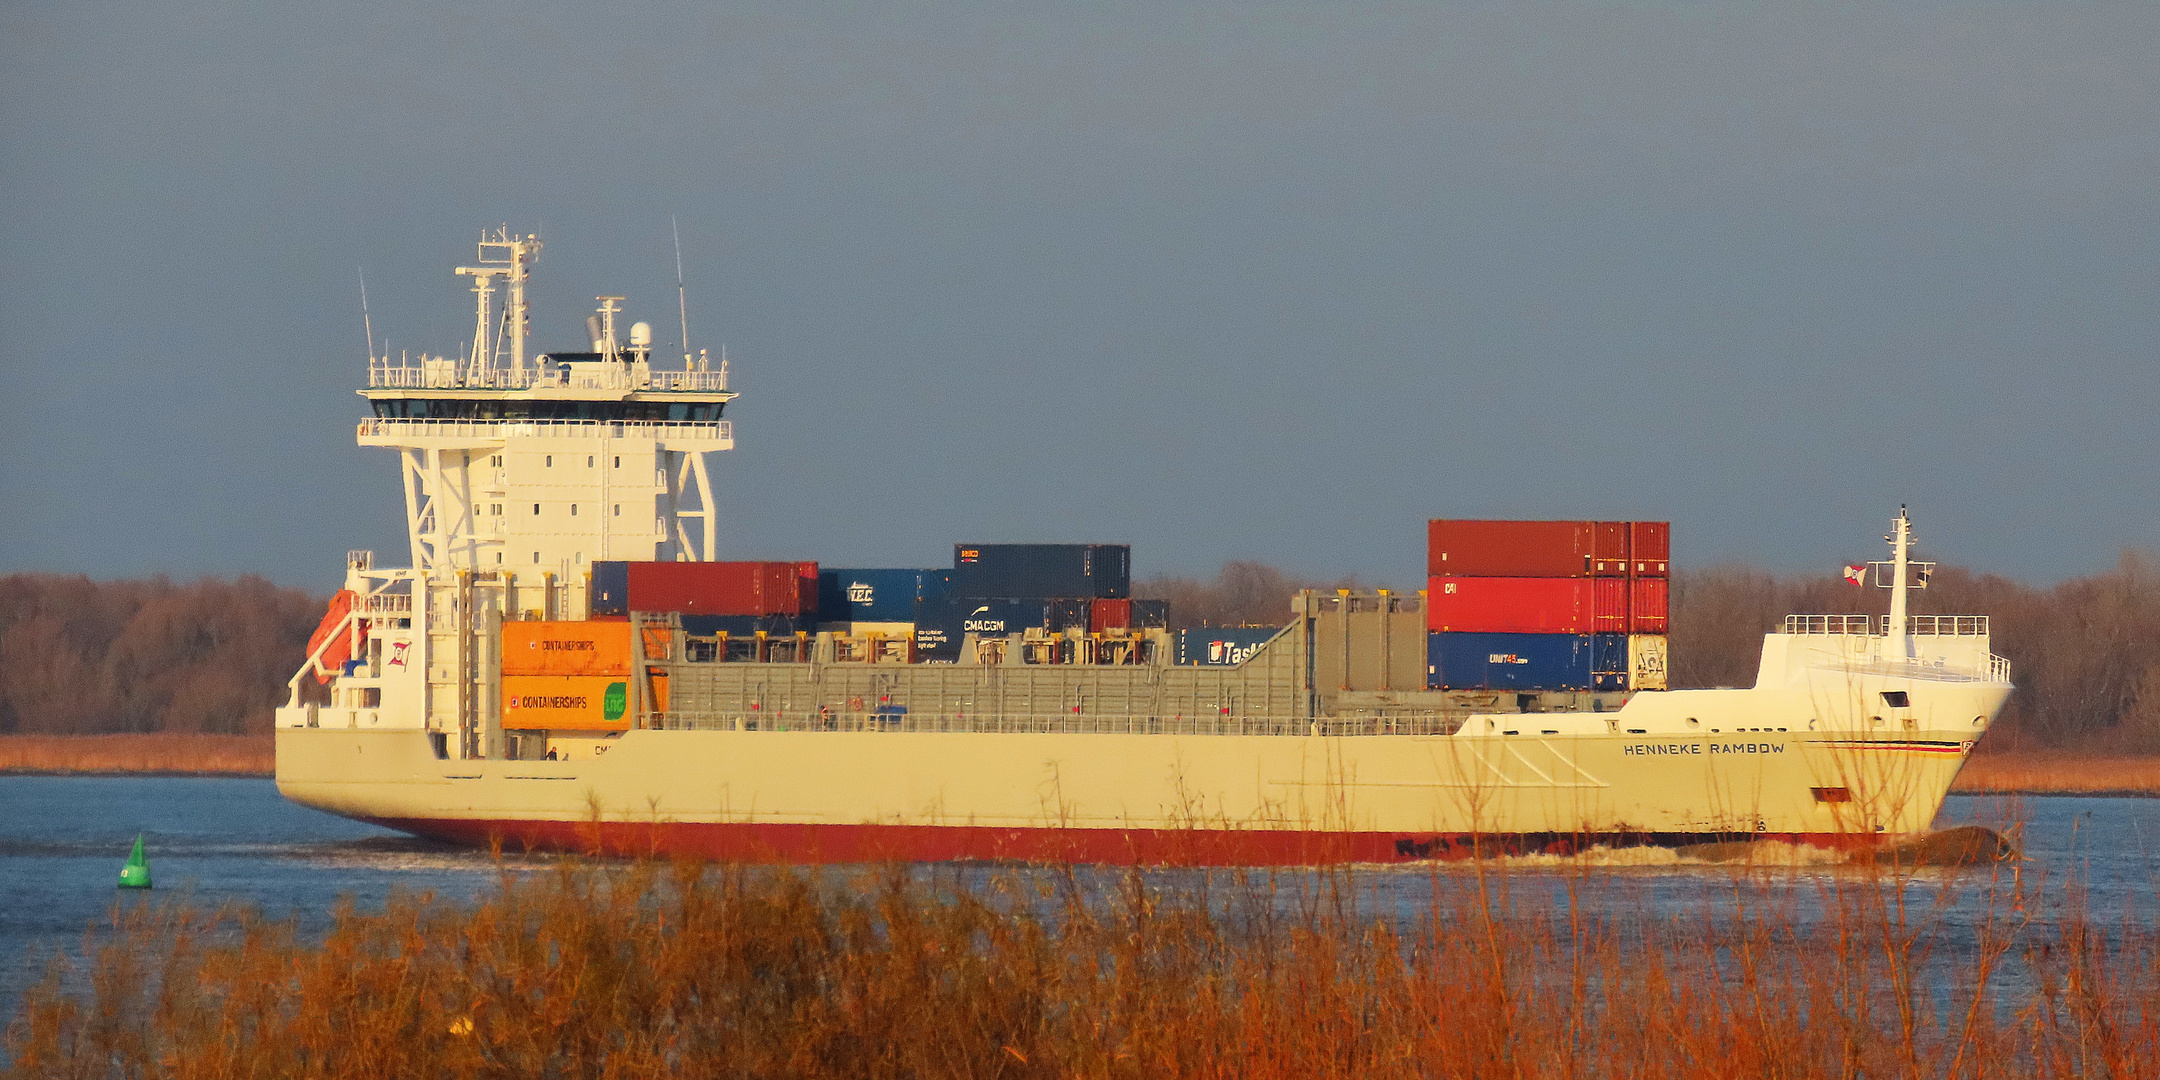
1217,281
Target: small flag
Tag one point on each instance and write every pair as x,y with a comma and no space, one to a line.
1857,575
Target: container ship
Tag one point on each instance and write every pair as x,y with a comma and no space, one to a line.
567,663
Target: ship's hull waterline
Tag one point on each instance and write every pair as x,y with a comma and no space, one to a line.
825,797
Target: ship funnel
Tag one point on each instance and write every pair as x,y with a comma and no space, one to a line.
592,331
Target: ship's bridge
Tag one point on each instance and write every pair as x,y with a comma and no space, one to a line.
543,464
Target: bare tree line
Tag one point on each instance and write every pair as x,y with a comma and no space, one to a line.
80,657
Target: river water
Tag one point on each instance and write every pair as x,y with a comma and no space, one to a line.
63,839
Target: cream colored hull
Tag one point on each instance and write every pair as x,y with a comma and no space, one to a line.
821,796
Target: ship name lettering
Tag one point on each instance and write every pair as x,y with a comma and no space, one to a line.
1660,749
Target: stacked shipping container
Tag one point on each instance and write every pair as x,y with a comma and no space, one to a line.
1001,589
570,676
1545,605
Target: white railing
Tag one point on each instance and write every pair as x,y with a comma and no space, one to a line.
458,375
386,604
675,430
1879,625
1998,669
1831,624
1048,724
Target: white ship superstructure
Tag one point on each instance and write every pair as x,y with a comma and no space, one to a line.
519,472
1323,745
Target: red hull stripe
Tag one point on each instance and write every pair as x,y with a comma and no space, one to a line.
802,843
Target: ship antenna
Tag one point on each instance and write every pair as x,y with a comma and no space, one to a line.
367,323
682,302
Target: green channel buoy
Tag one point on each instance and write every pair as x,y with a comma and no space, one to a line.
136,874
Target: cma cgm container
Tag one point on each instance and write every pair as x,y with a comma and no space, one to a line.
942,625
885,596
1498,605
565,648
725,588
1650,548
1524,549
1088,571
1222,646
566,702
1509,661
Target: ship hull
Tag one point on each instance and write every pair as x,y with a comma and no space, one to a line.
823,797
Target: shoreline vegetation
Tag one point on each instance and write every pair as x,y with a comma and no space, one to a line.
137,755
660,970
2001,772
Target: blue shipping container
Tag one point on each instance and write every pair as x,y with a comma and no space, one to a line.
610,588
941,625
1087,571
1509,661
743,625
876,595
1609,662
1222,646
1150,614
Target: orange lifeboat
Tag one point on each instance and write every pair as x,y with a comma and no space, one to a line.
339,651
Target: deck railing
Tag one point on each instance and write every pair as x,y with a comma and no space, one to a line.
1879,625
1049,724
433,374
679,430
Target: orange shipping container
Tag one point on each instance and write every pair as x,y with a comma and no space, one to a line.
566,648
566,702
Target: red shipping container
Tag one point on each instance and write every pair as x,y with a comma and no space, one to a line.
724,588
1609,548
1511,605
1522,549
1610,597
1650,548
1106,616
1649,606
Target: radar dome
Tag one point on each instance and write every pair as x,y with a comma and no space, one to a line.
640,335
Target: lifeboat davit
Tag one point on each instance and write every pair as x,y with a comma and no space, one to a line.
335,655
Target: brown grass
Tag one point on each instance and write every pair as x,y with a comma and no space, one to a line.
651,971
194,755
2049,772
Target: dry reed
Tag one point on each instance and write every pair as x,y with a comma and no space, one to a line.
189,755
652,970
2043,772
